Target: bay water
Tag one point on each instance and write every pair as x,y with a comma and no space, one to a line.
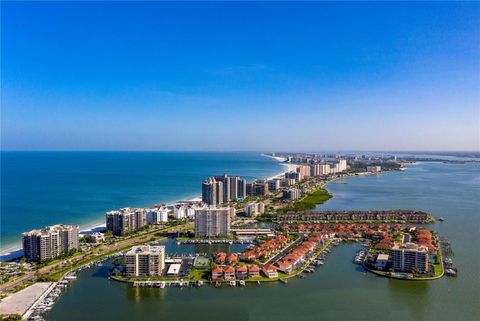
339,290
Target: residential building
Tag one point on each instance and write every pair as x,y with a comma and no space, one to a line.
157,215
97,237
242,272
217,273
253,271
374,169
293,175
287,182
324,169
222,189
292,194
382,261
229,273
254,208
342,165
213,222
304,171
49,242
225,180
270,271
209,191
259,187
242,188
126,220
410,257
274,185
145,261
234,182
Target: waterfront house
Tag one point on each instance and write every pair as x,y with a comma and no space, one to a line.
253,271
229,273
242,272
221,257
285,267
233,258
248,255
217,273
270,271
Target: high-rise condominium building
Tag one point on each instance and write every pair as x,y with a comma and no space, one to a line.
293,175
226,187
410,257
126,220
274,184
304,171
50,242
144,261
324,169
157,215
222,189
212,222
209,191
234,181
292,194
242,188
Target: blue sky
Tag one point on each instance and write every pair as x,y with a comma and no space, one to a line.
240,76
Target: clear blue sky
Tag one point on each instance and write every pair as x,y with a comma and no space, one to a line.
240,76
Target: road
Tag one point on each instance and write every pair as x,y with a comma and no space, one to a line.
286,250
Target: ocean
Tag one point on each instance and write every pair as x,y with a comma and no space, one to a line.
44,188
339,290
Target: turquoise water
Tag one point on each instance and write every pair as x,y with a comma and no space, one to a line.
42,188
339,290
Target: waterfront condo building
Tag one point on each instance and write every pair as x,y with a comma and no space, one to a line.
126,220
274,184
293,175
210,191
259,187
234,182
324,169
225,180
213,222
145,261
374,169
242,188
157,215
50,242
304,171
254,208
410,257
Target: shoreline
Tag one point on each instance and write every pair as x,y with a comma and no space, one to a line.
15,251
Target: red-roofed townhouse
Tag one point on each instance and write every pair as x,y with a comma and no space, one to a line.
270,271
217,273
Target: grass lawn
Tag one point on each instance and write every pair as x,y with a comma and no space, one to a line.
199,275
309,202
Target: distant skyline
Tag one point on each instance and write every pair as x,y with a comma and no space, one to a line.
240,76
